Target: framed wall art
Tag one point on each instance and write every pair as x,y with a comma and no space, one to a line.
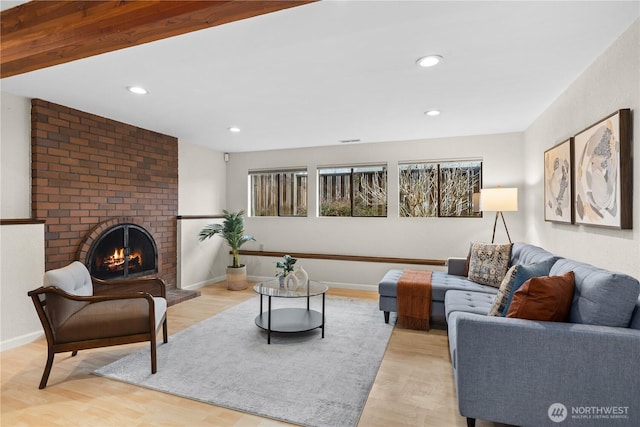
558,183
602,173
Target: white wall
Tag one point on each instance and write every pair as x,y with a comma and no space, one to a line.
15,157
431,238
21,246
201,191
612,82
202,183
22,258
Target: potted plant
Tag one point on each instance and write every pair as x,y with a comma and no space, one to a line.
232,230
286,265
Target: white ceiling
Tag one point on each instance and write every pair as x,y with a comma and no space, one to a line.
335,70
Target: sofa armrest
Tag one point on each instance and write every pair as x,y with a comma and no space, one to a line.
512,370
456,266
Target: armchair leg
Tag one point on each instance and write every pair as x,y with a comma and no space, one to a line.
471,422
386,317
164,331
74,353
47,370
154,364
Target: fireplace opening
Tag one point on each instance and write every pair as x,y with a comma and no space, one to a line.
123,251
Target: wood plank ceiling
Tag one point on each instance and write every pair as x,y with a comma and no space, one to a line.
40,34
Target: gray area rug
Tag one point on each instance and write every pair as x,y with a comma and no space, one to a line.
299,378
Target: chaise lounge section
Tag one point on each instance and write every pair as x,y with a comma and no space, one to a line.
455,279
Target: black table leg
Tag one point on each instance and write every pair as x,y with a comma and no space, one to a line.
269,323
323,315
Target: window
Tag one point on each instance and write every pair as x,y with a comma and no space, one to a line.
278,193
440,189
353,191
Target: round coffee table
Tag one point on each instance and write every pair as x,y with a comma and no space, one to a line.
291,319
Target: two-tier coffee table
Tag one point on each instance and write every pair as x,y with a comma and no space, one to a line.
290,319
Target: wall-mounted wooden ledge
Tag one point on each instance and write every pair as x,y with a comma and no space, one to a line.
21,221
358,258
218,216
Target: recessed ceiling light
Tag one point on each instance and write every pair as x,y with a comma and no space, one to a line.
137,90
234,129
429,61
432,113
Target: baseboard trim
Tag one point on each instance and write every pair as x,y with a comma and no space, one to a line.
20,341
204,283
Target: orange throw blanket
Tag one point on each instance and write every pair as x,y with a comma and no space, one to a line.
414,299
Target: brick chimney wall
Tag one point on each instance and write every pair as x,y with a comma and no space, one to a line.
87,169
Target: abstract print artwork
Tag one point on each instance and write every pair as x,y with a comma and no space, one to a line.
558,188
602,173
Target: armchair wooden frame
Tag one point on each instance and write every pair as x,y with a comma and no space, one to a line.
102,291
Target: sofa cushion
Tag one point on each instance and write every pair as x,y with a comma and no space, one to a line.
526,272
524,253
635,317
500,303
469,302
601,297
388,285
489,263
545,298
441,282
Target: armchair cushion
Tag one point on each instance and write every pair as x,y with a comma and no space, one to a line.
113,318
74,279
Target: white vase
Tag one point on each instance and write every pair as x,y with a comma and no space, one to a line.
291,282
302,276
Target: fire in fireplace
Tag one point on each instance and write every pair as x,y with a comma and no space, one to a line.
125,250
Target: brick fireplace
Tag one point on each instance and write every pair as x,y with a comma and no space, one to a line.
88,170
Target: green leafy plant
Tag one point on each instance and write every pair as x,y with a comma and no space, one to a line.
286,265
232,230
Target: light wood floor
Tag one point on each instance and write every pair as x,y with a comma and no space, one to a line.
414,386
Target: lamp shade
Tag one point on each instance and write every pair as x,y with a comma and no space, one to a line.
499,199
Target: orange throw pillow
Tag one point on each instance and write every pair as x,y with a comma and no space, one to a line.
546,298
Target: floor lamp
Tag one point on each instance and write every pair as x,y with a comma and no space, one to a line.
499,200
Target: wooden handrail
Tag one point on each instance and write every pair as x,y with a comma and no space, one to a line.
358,258
181,217
21,221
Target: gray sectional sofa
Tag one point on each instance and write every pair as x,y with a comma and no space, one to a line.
585,372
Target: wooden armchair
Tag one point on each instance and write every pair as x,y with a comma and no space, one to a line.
79,312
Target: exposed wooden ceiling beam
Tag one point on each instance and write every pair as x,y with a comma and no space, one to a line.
40,34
